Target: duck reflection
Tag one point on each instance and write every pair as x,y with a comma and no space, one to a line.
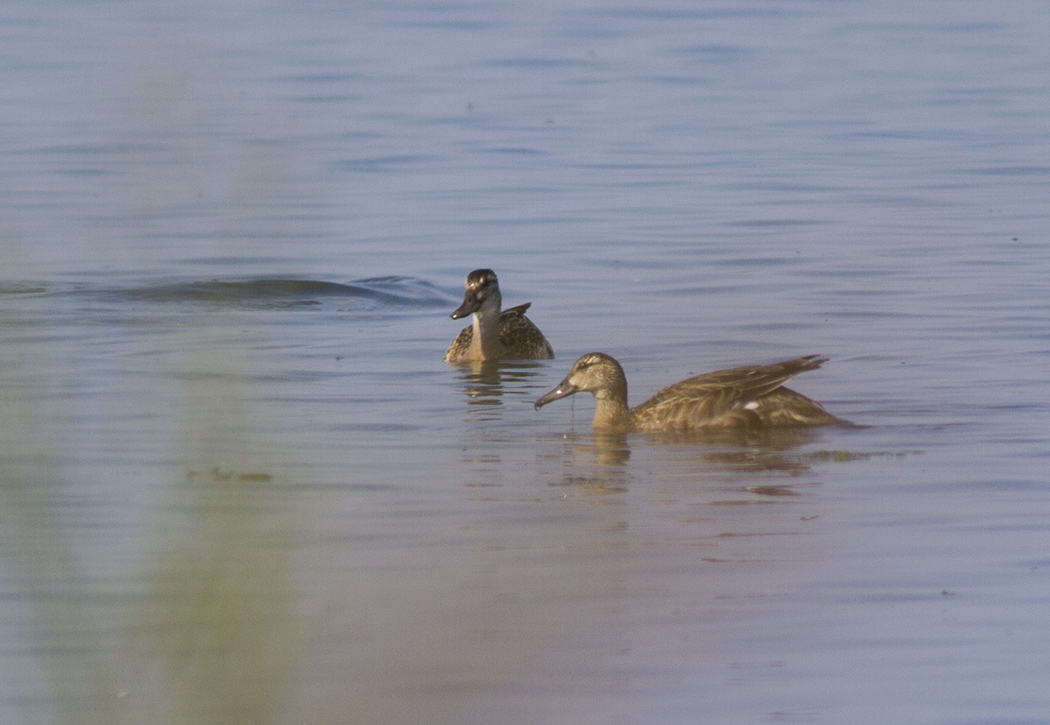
755,451
593,463
604,449
604,457
486,382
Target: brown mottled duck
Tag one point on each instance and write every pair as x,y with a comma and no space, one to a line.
494,334
752,397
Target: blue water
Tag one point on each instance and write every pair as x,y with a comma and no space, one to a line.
237,483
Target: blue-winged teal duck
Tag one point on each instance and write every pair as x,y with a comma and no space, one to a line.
745,398
494,334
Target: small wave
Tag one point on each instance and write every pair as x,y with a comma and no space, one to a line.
23,288
269,293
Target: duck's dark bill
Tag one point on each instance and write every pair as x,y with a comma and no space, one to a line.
471,303
564,389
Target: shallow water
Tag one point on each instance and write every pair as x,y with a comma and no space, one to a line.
238,484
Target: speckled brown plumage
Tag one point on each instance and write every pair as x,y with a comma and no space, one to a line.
494,334
749,397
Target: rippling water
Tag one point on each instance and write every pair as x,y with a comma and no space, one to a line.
237,483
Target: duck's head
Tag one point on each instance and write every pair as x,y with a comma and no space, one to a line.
595,373
482,292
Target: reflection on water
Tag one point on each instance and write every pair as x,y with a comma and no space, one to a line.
487,382
215,620
64,644
597,462
774,450
592,460
215,626
197,624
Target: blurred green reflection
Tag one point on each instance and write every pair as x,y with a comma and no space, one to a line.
195,622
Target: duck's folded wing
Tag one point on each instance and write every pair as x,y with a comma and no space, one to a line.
520,337
684,407
516,311
717,398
